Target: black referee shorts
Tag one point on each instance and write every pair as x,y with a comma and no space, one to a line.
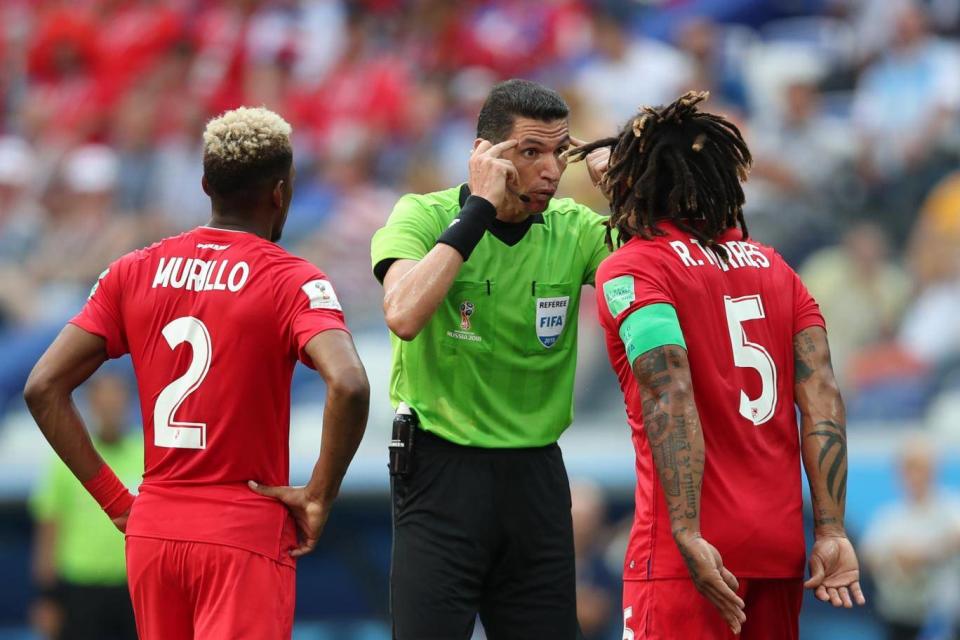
482,531
96,613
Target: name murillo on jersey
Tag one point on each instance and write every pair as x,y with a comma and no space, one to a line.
196,274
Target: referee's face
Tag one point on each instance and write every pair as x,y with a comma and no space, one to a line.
538,159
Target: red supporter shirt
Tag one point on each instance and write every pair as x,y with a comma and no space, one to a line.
214,321
738,320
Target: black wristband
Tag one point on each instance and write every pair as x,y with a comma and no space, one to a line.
52,592
467,229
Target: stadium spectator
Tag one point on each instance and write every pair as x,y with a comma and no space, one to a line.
608,83
800,154
480,492
506,37
874,24
65,106
357,210
906,100
21,218
367,93
467,90
598,592
81,232
928,330
934,258
861,291
78,556
140,34
912,546
935,242
175,202
713,70
133,137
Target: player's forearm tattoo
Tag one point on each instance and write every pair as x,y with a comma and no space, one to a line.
824,434
803,350
673,430
689,560
833,452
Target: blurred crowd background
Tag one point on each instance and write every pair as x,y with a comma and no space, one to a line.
852,111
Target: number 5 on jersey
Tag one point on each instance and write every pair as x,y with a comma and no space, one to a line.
178,434
750,355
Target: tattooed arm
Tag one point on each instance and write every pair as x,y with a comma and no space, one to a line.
672,426
834,571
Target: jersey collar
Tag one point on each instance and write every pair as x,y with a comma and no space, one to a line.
536,218
509,233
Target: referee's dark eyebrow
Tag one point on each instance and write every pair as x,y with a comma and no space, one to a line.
541,143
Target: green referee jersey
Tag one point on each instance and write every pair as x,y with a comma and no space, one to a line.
89,548
494,366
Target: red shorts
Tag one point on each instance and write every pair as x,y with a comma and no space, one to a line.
669,609
186,590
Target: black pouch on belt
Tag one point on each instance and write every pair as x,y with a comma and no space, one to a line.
401,441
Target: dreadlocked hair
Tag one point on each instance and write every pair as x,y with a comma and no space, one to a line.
674,163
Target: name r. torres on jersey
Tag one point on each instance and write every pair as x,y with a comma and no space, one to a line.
740,254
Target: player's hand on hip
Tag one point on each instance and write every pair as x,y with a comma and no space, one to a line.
309,513
120,522
714,581
489,173
598,160
835,572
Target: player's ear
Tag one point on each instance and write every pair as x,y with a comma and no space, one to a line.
277,194
206,187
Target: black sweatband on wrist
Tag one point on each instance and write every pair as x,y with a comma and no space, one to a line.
467,229
52,592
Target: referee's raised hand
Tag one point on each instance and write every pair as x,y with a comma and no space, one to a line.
489,173
598,160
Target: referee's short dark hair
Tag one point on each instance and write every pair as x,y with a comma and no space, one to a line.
513,98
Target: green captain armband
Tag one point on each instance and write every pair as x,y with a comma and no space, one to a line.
649,327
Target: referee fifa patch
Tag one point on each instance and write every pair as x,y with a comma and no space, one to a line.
551,316
321,295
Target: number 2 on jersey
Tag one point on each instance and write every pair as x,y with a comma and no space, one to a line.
749,355
177,434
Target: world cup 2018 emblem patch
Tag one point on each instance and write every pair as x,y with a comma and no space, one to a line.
466,310
551,318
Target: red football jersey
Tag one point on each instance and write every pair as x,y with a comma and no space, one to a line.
214,321
738,320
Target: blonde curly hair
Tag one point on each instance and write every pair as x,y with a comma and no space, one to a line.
245,146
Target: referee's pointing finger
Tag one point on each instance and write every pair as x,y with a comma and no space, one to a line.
500,147
482,147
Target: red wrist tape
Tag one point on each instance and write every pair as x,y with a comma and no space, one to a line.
109,492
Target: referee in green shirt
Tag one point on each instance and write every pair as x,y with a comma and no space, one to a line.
482,288
79,562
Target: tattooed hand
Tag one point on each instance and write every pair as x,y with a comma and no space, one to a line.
712,579
835,572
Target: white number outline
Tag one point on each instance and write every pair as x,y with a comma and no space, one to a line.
627,631
179,434
750,355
